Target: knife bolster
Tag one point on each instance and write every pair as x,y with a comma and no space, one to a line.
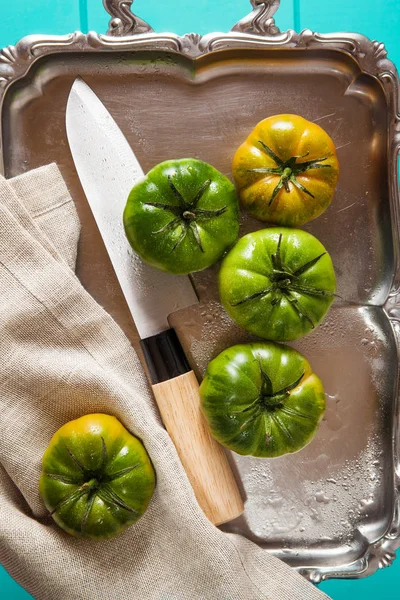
164,356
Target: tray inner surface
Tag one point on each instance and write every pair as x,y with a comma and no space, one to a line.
327,503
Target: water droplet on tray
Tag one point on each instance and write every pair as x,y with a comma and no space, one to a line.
321,497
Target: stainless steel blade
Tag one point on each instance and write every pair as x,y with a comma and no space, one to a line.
108,169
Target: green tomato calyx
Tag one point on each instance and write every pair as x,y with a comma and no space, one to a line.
186,214
269,404
289,170
285,283
92,484
270,400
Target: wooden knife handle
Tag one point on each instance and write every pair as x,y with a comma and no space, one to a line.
202,457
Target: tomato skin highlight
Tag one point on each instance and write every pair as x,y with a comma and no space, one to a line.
183,216
280,304
245,404
294,143
97,478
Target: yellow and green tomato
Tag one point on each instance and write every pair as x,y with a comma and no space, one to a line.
286,171
97,478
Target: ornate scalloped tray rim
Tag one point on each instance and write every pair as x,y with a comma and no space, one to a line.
258,30
371,56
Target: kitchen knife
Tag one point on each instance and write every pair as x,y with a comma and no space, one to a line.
108,169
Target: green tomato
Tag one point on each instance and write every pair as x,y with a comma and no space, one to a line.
97,478
277,283
262,399
183,216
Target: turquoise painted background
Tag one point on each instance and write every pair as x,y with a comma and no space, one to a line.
378,19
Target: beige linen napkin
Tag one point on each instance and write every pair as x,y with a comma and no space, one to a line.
62,356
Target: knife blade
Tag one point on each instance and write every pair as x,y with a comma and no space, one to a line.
108,169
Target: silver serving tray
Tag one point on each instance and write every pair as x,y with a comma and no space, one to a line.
333,509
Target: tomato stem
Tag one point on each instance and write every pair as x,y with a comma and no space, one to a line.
288,171
268,404
186,214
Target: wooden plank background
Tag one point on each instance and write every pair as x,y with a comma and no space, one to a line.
377,19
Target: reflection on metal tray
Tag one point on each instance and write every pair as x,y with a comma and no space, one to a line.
331,510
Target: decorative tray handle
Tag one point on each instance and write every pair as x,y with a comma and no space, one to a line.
260,21
123,22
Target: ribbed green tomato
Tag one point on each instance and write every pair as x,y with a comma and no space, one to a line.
277,283
262,399
97,478
183,216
